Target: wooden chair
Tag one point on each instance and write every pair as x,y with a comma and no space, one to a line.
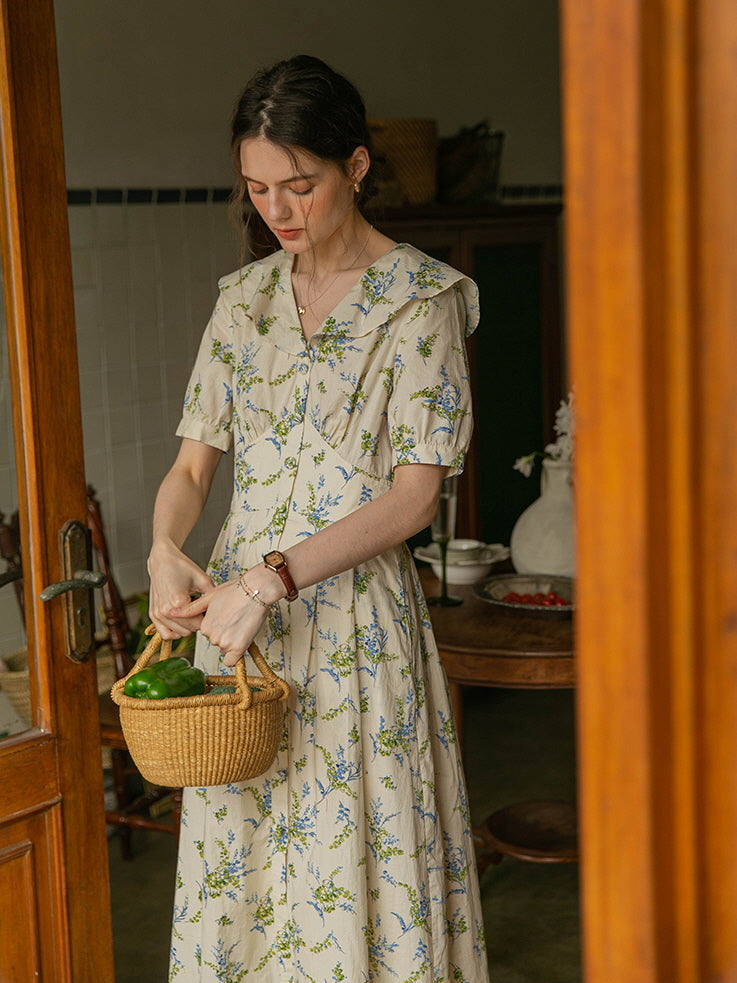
10,552
133,809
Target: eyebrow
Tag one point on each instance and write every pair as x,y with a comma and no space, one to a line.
289,180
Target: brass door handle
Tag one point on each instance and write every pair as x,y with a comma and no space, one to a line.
74,548
82,580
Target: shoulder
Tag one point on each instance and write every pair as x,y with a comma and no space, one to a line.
261,277
406,277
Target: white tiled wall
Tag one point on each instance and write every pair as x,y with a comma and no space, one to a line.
11,636
145,280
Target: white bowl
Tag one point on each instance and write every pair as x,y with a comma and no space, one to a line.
462,550
462,573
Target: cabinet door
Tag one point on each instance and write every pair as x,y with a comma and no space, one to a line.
516,356
515,353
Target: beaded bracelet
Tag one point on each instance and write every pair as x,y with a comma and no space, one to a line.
249,592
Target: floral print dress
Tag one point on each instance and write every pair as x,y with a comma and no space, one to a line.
352,858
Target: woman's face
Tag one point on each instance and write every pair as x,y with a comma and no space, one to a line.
305,201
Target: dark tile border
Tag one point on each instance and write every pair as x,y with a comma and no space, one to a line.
540,192
174,196
146,196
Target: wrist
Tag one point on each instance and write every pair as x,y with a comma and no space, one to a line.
161,548
266,582
276,562
253,593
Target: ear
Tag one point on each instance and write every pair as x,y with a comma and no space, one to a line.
358,164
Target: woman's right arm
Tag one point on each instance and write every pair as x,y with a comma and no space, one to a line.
179,504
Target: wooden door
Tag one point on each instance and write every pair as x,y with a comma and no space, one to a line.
54,891
651,148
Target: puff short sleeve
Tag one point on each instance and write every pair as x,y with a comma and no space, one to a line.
208,401
429,414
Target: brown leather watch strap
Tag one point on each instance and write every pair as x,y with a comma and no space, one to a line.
276,561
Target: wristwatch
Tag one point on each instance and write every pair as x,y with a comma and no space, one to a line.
276,561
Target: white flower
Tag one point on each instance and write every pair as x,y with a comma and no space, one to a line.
524,464
562,449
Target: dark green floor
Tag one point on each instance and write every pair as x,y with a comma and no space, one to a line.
519,745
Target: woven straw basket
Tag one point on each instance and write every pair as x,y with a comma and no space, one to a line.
16,683
410,148
212,739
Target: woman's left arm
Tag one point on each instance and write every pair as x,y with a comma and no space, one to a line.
231,620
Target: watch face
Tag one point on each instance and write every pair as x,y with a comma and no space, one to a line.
274,559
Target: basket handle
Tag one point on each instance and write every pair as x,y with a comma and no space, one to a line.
148,653
263,667
240,667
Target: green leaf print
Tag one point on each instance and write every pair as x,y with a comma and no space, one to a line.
264,913
362,579
276,527
283,377
226,969
425,345
227,876
457,924
369,443
382,843
403,440
292,831
222,353
264,323
328,897
375,286
273,283
307,703
340,773
192,402
430,275
286,945
400,737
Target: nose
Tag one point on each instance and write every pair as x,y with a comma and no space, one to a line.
277,207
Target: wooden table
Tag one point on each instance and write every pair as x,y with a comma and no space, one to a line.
484,645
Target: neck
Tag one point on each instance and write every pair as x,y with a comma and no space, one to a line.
338,252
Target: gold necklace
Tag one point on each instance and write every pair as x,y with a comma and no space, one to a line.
302,310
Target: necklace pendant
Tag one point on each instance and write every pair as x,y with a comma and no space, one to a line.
301,310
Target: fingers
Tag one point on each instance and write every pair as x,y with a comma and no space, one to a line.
201,583
170,621
193,608
226,617
171,629
231,620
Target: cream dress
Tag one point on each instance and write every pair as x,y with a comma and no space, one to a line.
351,859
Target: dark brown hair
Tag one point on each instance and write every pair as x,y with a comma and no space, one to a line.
302,105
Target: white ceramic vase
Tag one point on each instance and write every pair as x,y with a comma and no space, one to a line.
543,539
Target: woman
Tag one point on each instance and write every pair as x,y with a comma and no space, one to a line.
335,369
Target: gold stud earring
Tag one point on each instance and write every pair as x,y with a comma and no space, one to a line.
356,186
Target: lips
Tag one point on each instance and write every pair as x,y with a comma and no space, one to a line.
287,233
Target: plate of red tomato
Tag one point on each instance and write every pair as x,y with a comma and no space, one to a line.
535,595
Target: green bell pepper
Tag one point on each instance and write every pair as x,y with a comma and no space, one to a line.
169,677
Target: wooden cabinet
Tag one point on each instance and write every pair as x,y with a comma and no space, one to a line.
517,365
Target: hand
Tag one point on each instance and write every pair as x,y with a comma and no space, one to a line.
174,579
228,618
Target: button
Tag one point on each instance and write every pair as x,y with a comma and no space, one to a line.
291,463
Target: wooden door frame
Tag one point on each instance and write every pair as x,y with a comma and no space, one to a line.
650,123
62,773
